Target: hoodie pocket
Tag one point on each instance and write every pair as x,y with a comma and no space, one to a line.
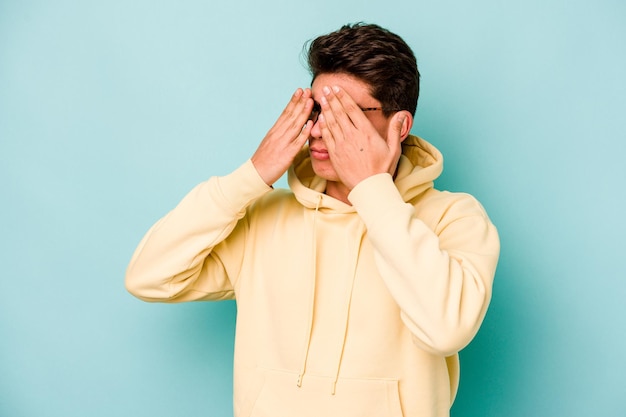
278,395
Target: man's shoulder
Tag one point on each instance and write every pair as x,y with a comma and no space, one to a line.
440,204
437,196
278,198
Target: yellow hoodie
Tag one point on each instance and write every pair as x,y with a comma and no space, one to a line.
342,310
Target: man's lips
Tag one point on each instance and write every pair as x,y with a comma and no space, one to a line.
319,153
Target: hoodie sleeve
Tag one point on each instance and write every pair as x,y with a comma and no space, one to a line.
194,252
440,276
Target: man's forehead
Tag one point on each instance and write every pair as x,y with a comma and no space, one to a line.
357,89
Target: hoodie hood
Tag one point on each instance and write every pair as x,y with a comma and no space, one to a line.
419,165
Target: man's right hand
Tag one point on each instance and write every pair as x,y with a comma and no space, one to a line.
285,139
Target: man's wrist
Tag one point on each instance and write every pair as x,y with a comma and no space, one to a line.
243,185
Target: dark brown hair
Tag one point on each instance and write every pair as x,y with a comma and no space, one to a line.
373,55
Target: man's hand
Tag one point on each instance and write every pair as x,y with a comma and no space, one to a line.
357,150
285,139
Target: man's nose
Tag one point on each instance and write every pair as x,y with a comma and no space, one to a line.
316,131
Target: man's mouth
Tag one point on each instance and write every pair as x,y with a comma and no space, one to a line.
319,153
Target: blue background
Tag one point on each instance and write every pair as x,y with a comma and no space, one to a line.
111,111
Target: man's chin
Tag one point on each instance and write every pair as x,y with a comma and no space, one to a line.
324,169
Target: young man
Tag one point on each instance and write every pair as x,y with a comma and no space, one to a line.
355,289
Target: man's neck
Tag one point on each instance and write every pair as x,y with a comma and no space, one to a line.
338,191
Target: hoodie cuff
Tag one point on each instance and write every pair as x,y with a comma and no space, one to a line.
242,186
375,197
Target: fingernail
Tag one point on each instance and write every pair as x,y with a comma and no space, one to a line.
336,89
326,90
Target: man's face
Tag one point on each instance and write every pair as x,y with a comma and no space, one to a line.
359,91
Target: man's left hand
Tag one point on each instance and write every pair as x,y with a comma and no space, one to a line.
357,150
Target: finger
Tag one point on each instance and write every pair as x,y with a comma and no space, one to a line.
330,122
295,114
394,134
340,117
305,133
303,108
327,135
293,102
340,99
297,103
307,103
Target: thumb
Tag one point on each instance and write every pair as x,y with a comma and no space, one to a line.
394,135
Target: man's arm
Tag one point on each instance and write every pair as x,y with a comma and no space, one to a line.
176,260
441,278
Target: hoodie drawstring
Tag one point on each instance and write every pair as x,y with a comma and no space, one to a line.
347,317
312,301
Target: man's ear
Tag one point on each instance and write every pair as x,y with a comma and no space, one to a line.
407,124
